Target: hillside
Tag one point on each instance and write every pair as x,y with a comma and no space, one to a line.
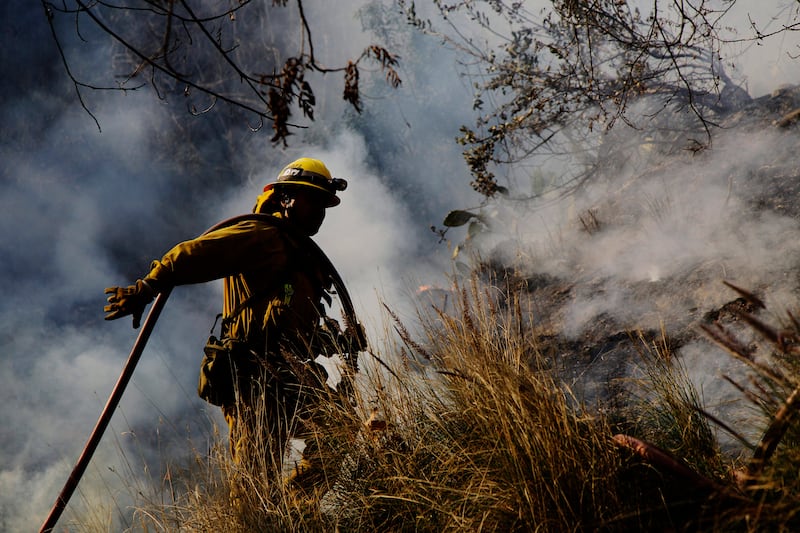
640,252
627,362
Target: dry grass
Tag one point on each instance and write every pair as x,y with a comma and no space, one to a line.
483,436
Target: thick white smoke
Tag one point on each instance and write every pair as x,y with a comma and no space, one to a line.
650,251
82,210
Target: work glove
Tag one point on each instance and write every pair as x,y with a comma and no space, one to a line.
131,300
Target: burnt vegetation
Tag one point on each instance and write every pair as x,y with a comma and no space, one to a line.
497,416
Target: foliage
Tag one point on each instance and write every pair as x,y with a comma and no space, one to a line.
576,68
210,52
477,432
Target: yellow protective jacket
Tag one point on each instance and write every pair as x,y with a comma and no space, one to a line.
254,257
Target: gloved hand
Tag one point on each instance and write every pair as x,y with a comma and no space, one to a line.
124,301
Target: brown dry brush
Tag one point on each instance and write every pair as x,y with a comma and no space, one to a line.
484,442
673,454
673,414
550,452
516,452
769,477
487,438
213,494
760,494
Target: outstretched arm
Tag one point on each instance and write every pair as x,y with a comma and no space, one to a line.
248,245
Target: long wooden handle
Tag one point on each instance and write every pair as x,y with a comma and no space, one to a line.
105,416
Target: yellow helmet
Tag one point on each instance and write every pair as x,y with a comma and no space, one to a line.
307,172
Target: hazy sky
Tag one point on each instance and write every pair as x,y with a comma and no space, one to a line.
82,210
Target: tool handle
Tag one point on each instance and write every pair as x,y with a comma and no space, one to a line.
108,412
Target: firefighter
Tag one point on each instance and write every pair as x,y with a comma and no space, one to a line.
274,289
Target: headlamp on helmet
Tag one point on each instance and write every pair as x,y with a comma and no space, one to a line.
313,173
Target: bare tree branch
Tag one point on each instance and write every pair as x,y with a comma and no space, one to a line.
581,66
192,47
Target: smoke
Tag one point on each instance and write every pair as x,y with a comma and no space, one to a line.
62,201
83,210
646,243
648,247
371,237
696,214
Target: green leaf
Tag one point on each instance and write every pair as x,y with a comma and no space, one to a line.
457,218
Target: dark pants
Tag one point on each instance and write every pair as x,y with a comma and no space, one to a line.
280,402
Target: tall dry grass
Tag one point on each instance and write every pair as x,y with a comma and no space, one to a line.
474,431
